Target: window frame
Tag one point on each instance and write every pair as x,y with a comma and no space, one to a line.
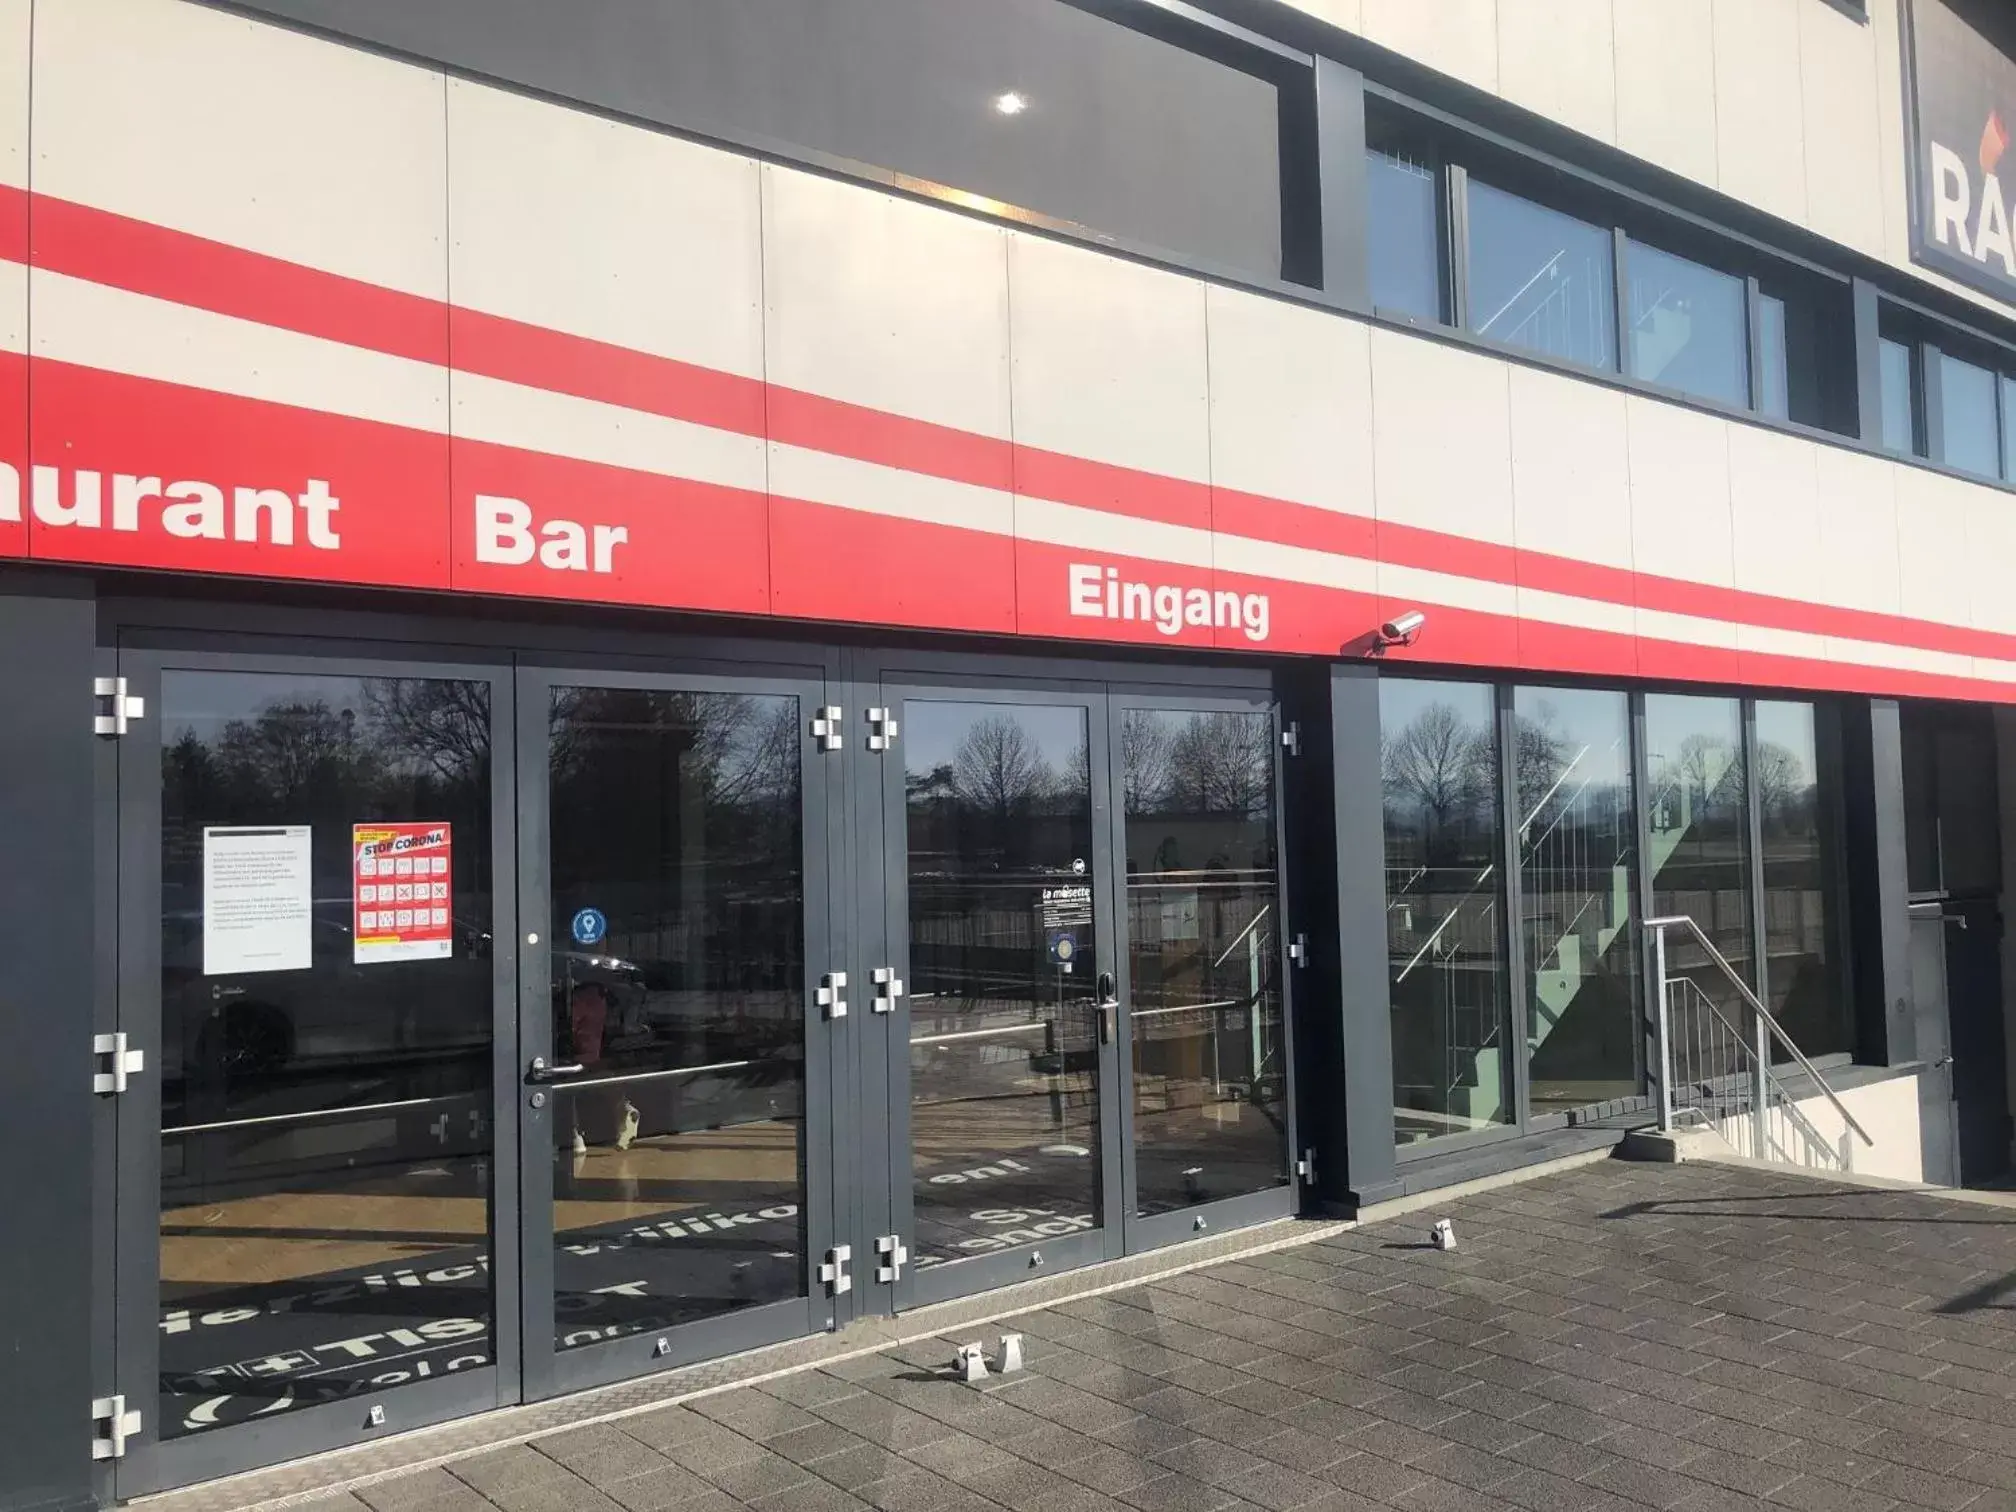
1836,887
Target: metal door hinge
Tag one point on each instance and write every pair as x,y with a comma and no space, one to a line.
1291,739
828,996
881,729
117,706
826,727
888,988
111,1425
1298,950
834,1272
895,1255
113,1063
1305,1168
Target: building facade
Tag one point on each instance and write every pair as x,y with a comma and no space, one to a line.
681,672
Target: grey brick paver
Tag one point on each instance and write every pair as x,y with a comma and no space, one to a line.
1612,1339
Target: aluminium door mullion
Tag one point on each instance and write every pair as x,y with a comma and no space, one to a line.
1513,951
535,1033
1121,1192
507,1150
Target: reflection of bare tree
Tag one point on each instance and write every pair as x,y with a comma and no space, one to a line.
1709,767
437,722
1784,791
1438,763
1222,763
732,748
1542,754
1146,744
998,769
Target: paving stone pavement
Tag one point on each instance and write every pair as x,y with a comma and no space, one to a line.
1683,1338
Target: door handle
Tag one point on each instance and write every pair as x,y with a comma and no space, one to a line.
539,1071
1109,1007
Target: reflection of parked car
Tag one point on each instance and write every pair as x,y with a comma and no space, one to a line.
252,1043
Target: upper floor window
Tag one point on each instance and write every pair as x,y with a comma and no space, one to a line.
1969,437
1403,192
1688,325
1540,279
1897,427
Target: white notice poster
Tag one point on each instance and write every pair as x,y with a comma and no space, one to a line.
258,896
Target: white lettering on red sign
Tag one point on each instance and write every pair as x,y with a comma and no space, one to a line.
1101,593
188,508
505,537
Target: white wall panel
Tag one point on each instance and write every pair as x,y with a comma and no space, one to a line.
1858,529
1109,359
1844,121
1457,37
1774,506
1666,83
1291,403
15,16
584,225
246,133
1441,438
1991,553
885,302
1557,57
1571,468
14,55
1935,579
1680,510
1759,125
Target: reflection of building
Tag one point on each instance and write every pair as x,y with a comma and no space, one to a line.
890,592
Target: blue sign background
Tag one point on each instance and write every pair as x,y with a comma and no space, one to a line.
589,927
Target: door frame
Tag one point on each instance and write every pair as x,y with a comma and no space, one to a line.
549,1371
880,1172
921,1286
152,1463
1161,1229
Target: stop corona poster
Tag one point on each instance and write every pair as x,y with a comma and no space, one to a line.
402,884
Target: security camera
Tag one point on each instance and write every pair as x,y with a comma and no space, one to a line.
1402,628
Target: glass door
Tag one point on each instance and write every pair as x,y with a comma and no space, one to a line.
1197,827
673,1085
999,988
309,1142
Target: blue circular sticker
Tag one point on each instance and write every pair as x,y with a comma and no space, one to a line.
589,927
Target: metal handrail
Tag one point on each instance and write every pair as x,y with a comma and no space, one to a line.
1659,927
1766,1075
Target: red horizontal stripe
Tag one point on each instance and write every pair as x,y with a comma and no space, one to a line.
143,258
121,252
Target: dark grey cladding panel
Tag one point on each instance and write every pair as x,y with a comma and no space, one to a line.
1124,132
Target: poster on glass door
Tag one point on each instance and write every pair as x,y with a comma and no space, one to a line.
401,882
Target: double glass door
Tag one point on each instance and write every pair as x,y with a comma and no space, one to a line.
1089,1052
499,1029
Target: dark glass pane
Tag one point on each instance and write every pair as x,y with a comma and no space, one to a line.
1967,417
1894,373
1700,837
1688,329
326,1131
1774,387
1004,967
1403,233
1203,954
1540,279
1578,852
2009,428
678,948
1104,125
1446,960
1795,779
